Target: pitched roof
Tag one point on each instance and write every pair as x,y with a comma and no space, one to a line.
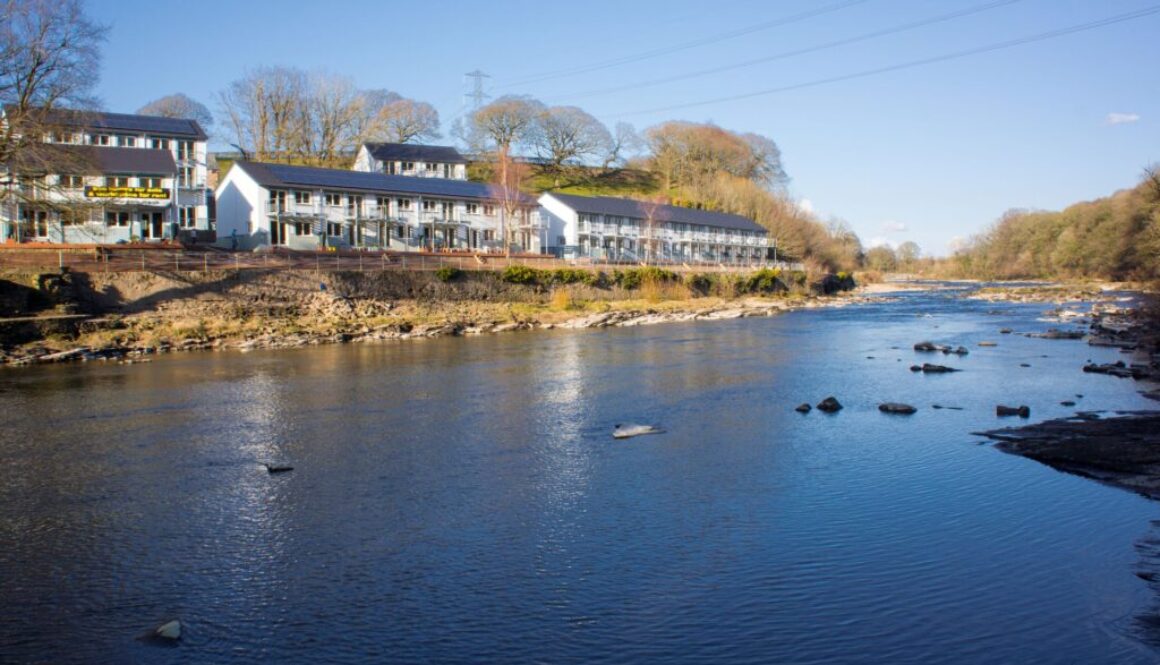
406,152
290,177
93,160
607,205
122,122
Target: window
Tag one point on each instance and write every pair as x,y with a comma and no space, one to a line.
429,205
333,229
383,201
72,182
404,204
187,217
103,139
116,181
72,217
160,143
63,137
185,150
408,166
432,167
302,198
153,182
333,199
127,141
473,208
302,228
117,218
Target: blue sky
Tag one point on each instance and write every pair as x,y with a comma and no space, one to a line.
925,153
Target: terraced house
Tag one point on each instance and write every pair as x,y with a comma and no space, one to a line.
107,178
613,229
304,207
421,161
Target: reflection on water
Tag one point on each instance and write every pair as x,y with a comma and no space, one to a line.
463,500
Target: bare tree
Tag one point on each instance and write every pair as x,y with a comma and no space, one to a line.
651,224
49,58
1152,178
266,110
626,142
49,62
330,113
178,105
765,160
565,134
505,190
405,120
505,122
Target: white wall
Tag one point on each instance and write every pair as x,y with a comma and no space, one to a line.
562,220
241,210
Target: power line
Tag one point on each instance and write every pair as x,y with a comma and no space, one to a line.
536,78
802,51
1120,18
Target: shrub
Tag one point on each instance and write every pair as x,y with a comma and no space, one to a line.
699,283
448,273
574,276
518,274
766,280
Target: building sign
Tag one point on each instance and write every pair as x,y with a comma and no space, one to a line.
152,193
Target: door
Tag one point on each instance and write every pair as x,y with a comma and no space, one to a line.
152,225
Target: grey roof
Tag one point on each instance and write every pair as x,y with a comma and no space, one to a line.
406,152
94,160
607,205
291,177
124,122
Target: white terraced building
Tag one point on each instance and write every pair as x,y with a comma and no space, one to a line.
614,229
108,178
303,207
420,161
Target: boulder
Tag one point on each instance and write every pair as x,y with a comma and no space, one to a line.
960,351
928,368
916,368
170,630
896,407
930,346
803,408
1004,331
631,430
1021,411
829,405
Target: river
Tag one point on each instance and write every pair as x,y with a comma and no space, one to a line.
462,500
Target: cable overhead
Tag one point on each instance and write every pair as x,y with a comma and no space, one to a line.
536,78
1120,18
802,51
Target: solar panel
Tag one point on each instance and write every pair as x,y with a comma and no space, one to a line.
308,176
606,205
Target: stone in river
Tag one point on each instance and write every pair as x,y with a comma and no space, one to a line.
896,407
830,405
1021,411
803,408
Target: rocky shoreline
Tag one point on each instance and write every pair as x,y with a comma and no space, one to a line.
336,319
1122,451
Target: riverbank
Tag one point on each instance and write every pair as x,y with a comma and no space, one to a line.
128,317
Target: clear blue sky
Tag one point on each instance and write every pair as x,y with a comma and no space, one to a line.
923,153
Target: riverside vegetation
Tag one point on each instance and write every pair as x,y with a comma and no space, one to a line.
84,316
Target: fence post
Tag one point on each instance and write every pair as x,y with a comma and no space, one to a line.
236,266
176,262
142,260
205,263
60,260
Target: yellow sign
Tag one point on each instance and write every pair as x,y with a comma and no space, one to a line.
153,193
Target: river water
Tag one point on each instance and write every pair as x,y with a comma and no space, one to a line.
462,500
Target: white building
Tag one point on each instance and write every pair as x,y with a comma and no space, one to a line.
303,207
420,161
606,228
108,178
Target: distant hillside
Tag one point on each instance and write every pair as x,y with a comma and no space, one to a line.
1116,237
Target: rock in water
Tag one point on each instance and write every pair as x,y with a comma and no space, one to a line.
988,344
829,405
1021,411
278,468
928,368
803,408
896,407
170,630
628,431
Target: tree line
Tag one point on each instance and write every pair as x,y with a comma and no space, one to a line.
1116,237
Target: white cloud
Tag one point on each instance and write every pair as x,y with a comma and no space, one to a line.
879,241
893,226
1122,118
806,206
956,244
